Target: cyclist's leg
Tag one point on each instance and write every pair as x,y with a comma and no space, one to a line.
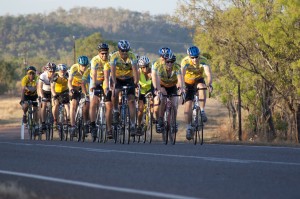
140,109
108,113
55,105
115,100
190,94
73,107
202,98
25,109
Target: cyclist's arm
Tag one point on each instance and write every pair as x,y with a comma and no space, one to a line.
23,93
135,74
40,88
207,71
93,77
83,87
70,86
106,79
180,81
52,86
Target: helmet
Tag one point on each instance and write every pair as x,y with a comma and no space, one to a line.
50,66
124,45
143,61
83,60
62,67
102,46
193,51
31,68
163,51
170,57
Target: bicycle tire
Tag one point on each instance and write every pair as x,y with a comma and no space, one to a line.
125,125
172,127
29,123
148,126
102,125
165,132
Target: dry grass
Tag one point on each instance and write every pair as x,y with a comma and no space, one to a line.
13,191
11,112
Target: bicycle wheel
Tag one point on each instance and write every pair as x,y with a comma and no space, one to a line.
102,125
125,134
172,127
148,126
29,124
195,121
165,131
201,126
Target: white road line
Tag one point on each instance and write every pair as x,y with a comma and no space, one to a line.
96,186
215,159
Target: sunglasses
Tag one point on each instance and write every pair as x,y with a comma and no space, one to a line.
31,73
124,51
104,53
168,62
196,57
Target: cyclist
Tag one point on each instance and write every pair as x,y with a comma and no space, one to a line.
29,92
170,78
158,63
74,85
60,91
145,81
86,107
99,70
44,89
194,67
123,65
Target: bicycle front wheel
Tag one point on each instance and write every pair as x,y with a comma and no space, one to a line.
148,127
172,127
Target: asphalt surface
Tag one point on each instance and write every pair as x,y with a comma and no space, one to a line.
59,169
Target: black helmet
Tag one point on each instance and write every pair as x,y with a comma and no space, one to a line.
103,46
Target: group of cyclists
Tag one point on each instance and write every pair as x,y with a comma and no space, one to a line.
109,72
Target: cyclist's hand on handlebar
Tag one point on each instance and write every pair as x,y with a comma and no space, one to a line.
44,99
210,88
92,89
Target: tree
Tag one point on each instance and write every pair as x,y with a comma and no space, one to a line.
254,42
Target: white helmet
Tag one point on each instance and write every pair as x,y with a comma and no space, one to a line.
143,61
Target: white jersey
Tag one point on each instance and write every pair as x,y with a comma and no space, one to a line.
46,82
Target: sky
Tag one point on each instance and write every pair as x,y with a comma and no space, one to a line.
21,7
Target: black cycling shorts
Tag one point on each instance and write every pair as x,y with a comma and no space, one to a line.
191,89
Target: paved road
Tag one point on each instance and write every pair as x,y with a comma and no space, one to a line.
55,169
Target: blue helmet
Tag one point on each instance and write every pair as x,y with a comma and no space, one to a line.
124,45
163,51
62,67
193,51
83,60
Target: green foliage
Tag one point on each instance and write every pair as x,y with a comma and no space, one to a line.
7,76
255,43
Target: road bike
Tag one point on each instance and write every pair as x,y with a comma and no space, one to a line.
33,131
170,125
100,118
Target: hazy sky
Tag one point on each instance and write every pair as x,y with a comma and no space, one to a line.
16,7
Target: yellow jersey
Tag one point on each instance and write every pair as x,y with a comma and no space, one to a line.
168,81
157,64
145,84
123,67
193,72
31,85
99,65
77,76
61,83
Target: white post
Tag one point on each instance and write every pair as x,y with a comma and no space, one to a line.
22,131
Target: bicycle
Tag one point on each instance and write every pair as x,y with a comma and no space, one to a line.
197,120
122,130
100,118
148,118
31,123
49,119
62,122
170,126
79,126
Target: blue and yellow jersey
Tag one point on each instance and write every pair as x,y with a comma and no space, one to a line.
99,65
123,67
31,85
77,76
61,83
168,81
193,72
